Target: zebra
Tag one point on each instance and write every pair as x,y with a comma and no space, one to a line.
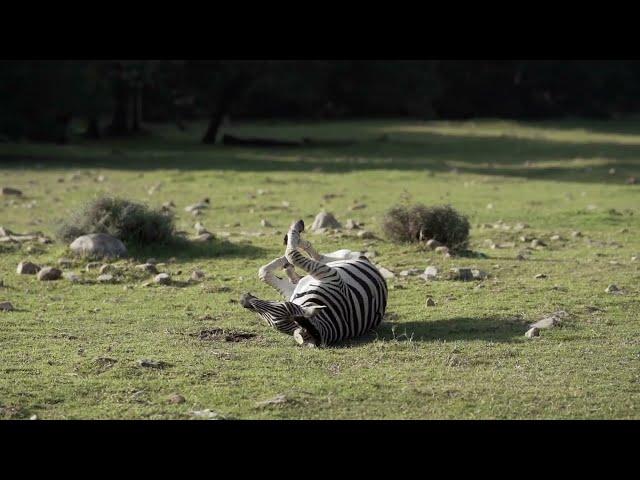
343,296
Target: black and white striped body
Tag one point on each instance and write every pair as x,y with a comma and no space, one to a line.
354,302
343,296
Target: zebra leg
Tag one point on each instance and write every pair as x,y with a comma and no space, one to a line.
284,287
313,267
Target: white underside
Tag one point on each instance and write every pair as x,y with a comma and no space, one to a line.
331,259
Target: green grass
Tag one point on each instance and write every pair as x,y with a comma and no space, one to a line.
465,358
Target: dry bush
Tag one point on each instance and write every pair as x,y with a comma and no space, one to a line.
414,223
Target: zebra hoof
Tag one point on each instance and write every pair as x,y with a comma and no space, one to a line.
302,337
298,226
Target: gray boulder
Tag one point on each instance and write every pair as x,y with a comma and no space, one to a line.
98,245
325,220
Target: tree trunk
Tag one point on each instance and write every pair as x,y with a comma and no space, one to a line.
137,109
119,123
93,129
230,93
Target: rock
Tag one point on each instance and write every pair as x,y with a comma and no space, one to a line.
576,234
547,322
106,268
265,223
442,250
196,207
430,302
357,206
145,362
479,274
351,225
27,268
366,235
631,181
152,261
92,266
9,191
72,277
147,267
433,244
200,228
533,332
430,273
209,414
5,232
386,274
6,307
463,274
197,275
370,254
272,401
555,238
105,278
540,275
325,220
410,272
612,289
204,237
98,245
162,279
176,398
535,243
49,273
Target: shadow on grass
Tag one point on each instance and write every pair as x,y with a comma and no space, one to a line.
438,152
183,249
489,329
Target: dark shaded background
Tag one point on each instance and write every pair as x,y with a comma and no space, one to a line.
40,99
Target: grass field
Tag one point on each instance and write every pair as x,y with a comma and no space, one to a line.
71,350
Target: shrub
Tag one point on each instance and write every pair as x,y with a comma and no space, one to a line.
134,224
420,223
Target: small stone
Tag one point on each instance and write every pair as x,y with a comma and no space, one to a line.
272,401
148,267
612,171
162,279
265,223
433,243
535,243
547,322
540,275
576,234
9,191
204,237
386,274
430,273
105,268
624,230
33,417
442,250
631,181
612,288
92,266
351,225
145,362
430,302
208,414
533,332
196,207
176,398
479,274
27,268
105,278
6,307
555,238
72,277
200,228
197,275
410,272
357,206
463,274
49,273
366,235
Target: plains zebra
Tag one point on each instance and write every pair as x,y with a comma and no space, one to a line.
343,296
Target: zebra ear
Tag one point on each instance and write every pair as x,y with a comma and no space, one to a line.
286,238
310,312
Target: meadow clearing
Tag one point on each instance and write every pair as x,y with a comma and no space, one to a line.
72,350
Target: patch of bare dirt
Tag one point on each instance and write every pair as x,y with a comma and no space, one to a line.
217,334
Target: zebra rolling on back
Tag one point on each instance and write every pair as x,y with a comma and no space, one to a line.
343,296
